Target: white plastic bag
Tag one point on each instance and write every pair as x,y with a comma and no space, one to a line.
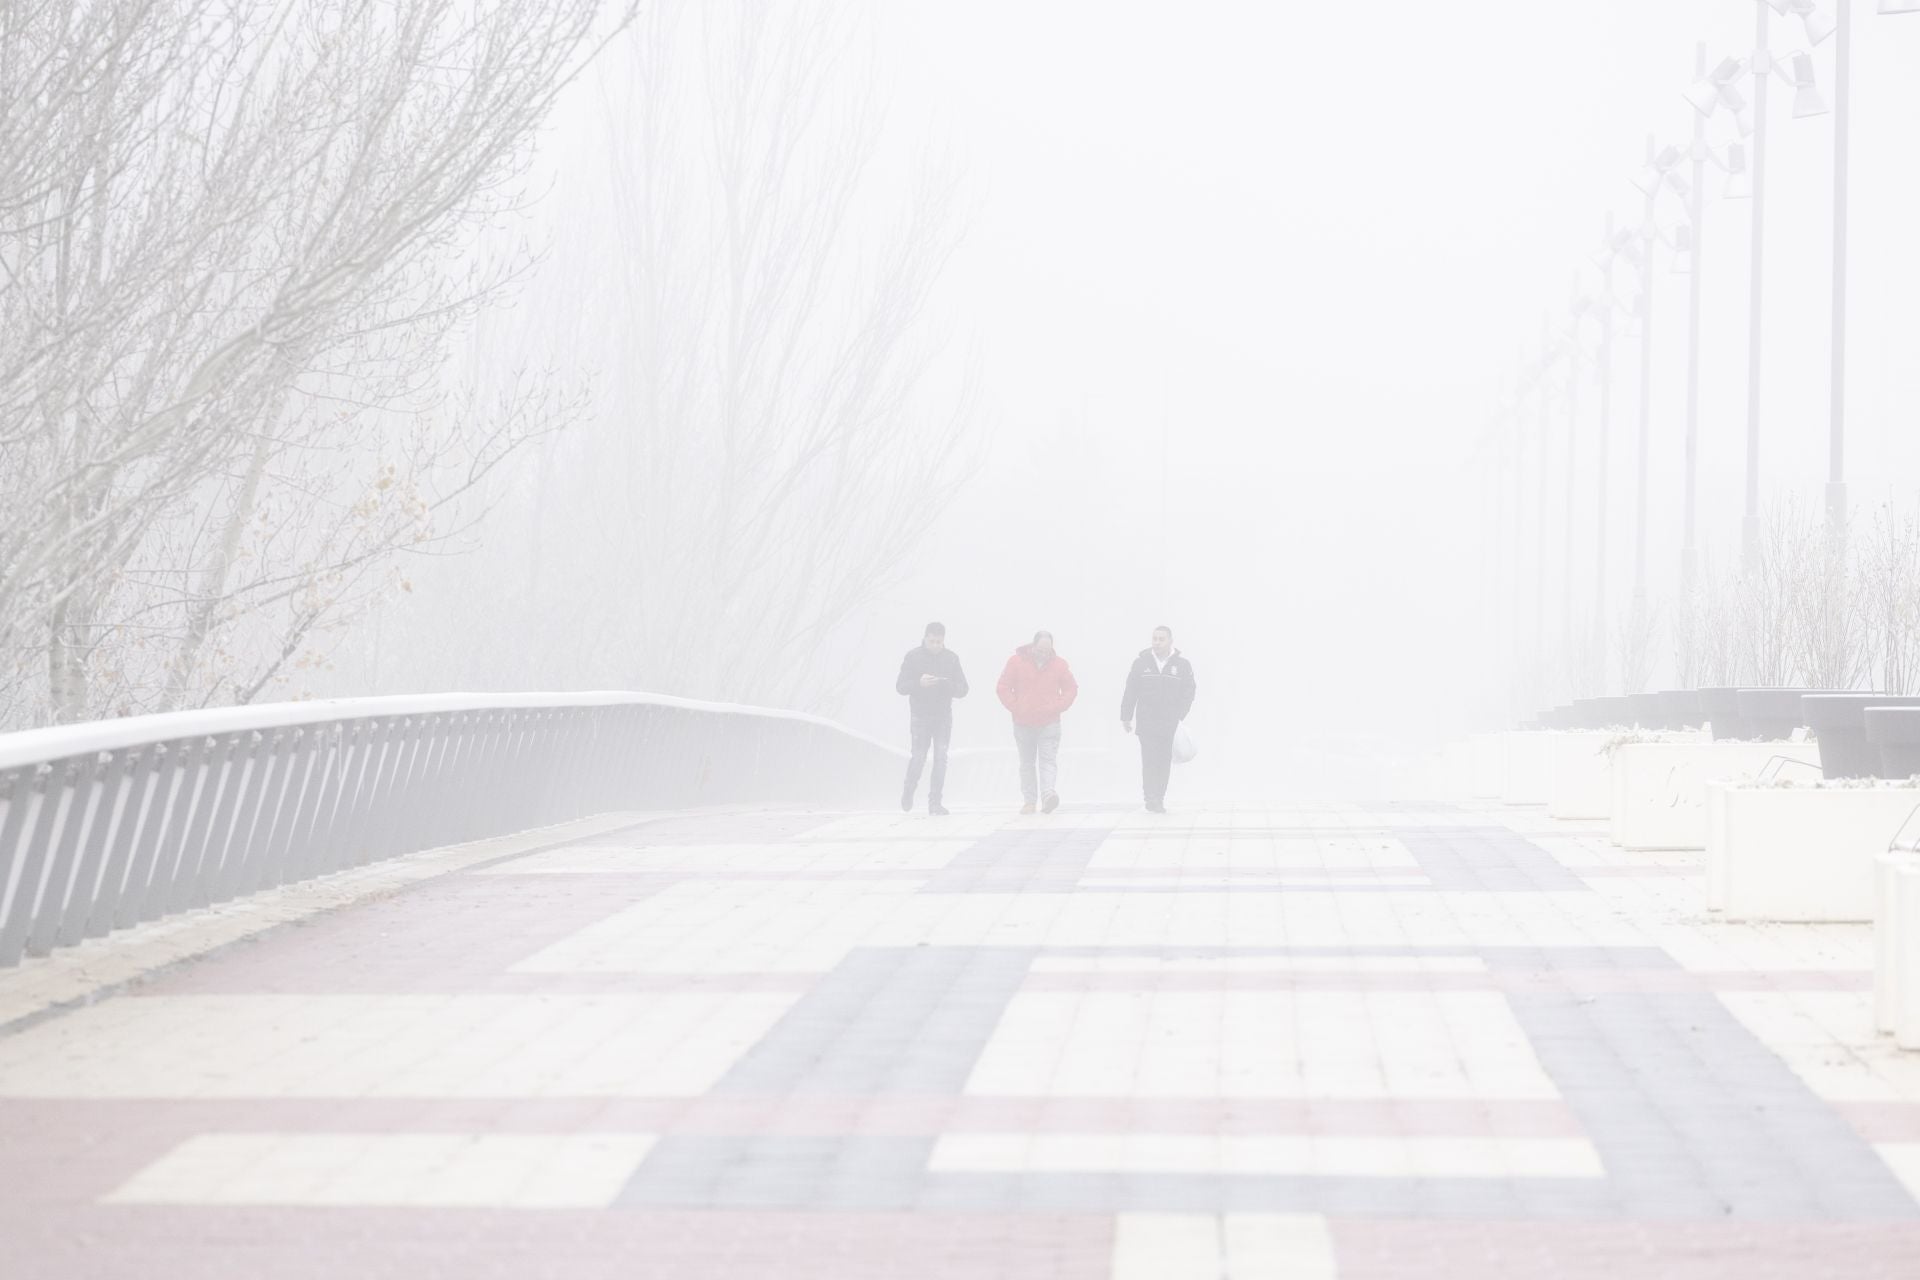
1183,748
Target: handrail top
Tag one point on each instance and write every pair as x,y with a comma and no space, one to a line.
64,742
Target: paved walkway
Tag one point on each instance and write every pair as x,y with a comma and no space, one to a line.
1305,1042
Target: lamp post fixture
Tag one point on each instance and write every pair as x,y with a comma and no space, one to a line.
1660,173
1571,345
1762,65
1604,309
1544,384
1520,388
1842,137
1616,245
1707,93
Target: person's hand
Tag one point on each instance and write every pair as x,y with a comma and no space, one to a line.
1126,726
927,682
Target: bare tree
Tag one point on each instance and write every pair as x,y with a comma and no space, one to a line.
1635,633
1889,585
771,437
1828,620
1586,660
1764,609
234,257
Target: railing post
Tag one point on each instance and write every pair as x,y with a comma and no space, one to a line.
53,784
63,869
115,773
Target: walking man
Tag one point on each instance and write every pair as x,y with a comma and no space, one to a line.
931,679
1160,688
1037,687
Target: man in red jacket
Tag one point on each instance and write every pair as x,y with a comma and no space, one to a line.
1037,686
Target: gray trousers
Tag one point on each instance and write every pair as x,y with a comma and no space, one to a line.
1039,759
928,734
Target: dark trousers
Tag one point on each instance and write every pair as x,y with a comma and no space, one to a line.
1156,758
929,733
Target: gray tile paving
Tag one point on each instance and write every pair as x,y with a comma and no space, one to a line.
886,1020
1486,860
1021,860
1694,1117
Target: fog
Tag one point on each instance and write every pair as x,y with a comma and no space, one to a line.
1097,316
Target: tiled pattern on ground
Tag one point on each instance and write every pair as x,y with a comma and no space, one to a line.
1320,1041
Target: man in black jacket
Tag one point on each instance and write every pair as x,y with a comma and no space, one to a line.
931,679
1160,688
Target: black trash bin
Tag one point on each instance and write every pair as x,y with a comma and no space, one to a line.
1773,714
1839,724
1722,710
1647,710
1894,733
1681,709
1614,713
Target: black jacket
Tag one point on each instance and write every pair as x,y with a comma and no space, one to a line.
1159,697
936,700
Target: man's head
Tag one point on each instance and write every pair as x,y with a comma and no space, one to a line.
1043,645
1162,641
936,637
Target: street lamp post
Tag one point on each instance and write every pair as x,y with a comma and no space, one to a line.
1572,347
1616,245
1842,138
1756,276
1519,523
1539,679
1696,210
1707,93
1656,176
1837,374
1806,103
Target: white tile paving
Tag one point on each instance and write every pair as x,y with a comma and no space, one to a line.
392,1170
1266,1155
1260,1044
389,1046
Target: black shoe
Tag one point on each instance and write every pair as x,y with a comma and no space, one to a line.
906,802
936,810
1049,802
1156,808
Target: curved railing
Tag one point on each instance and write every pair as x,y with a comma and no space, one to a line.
109,824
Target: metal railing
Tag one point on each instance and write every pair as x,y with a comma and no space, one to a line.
114,823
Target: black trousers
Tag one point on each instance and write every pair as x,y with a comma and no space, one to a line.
1156,758
929,734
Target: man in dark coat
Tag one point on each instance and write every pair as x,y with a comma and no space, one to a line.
1160,690
931,679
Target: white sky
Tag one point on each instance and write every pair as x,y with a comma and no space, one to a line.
1309,242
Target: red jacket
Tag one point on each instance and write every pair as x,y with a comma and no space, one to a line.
1035,694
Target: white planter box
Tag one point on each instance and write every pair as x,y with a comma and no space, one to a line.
1800,853
1486,765
1659,789
1896,936
1525,778
1578,780
1904,959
